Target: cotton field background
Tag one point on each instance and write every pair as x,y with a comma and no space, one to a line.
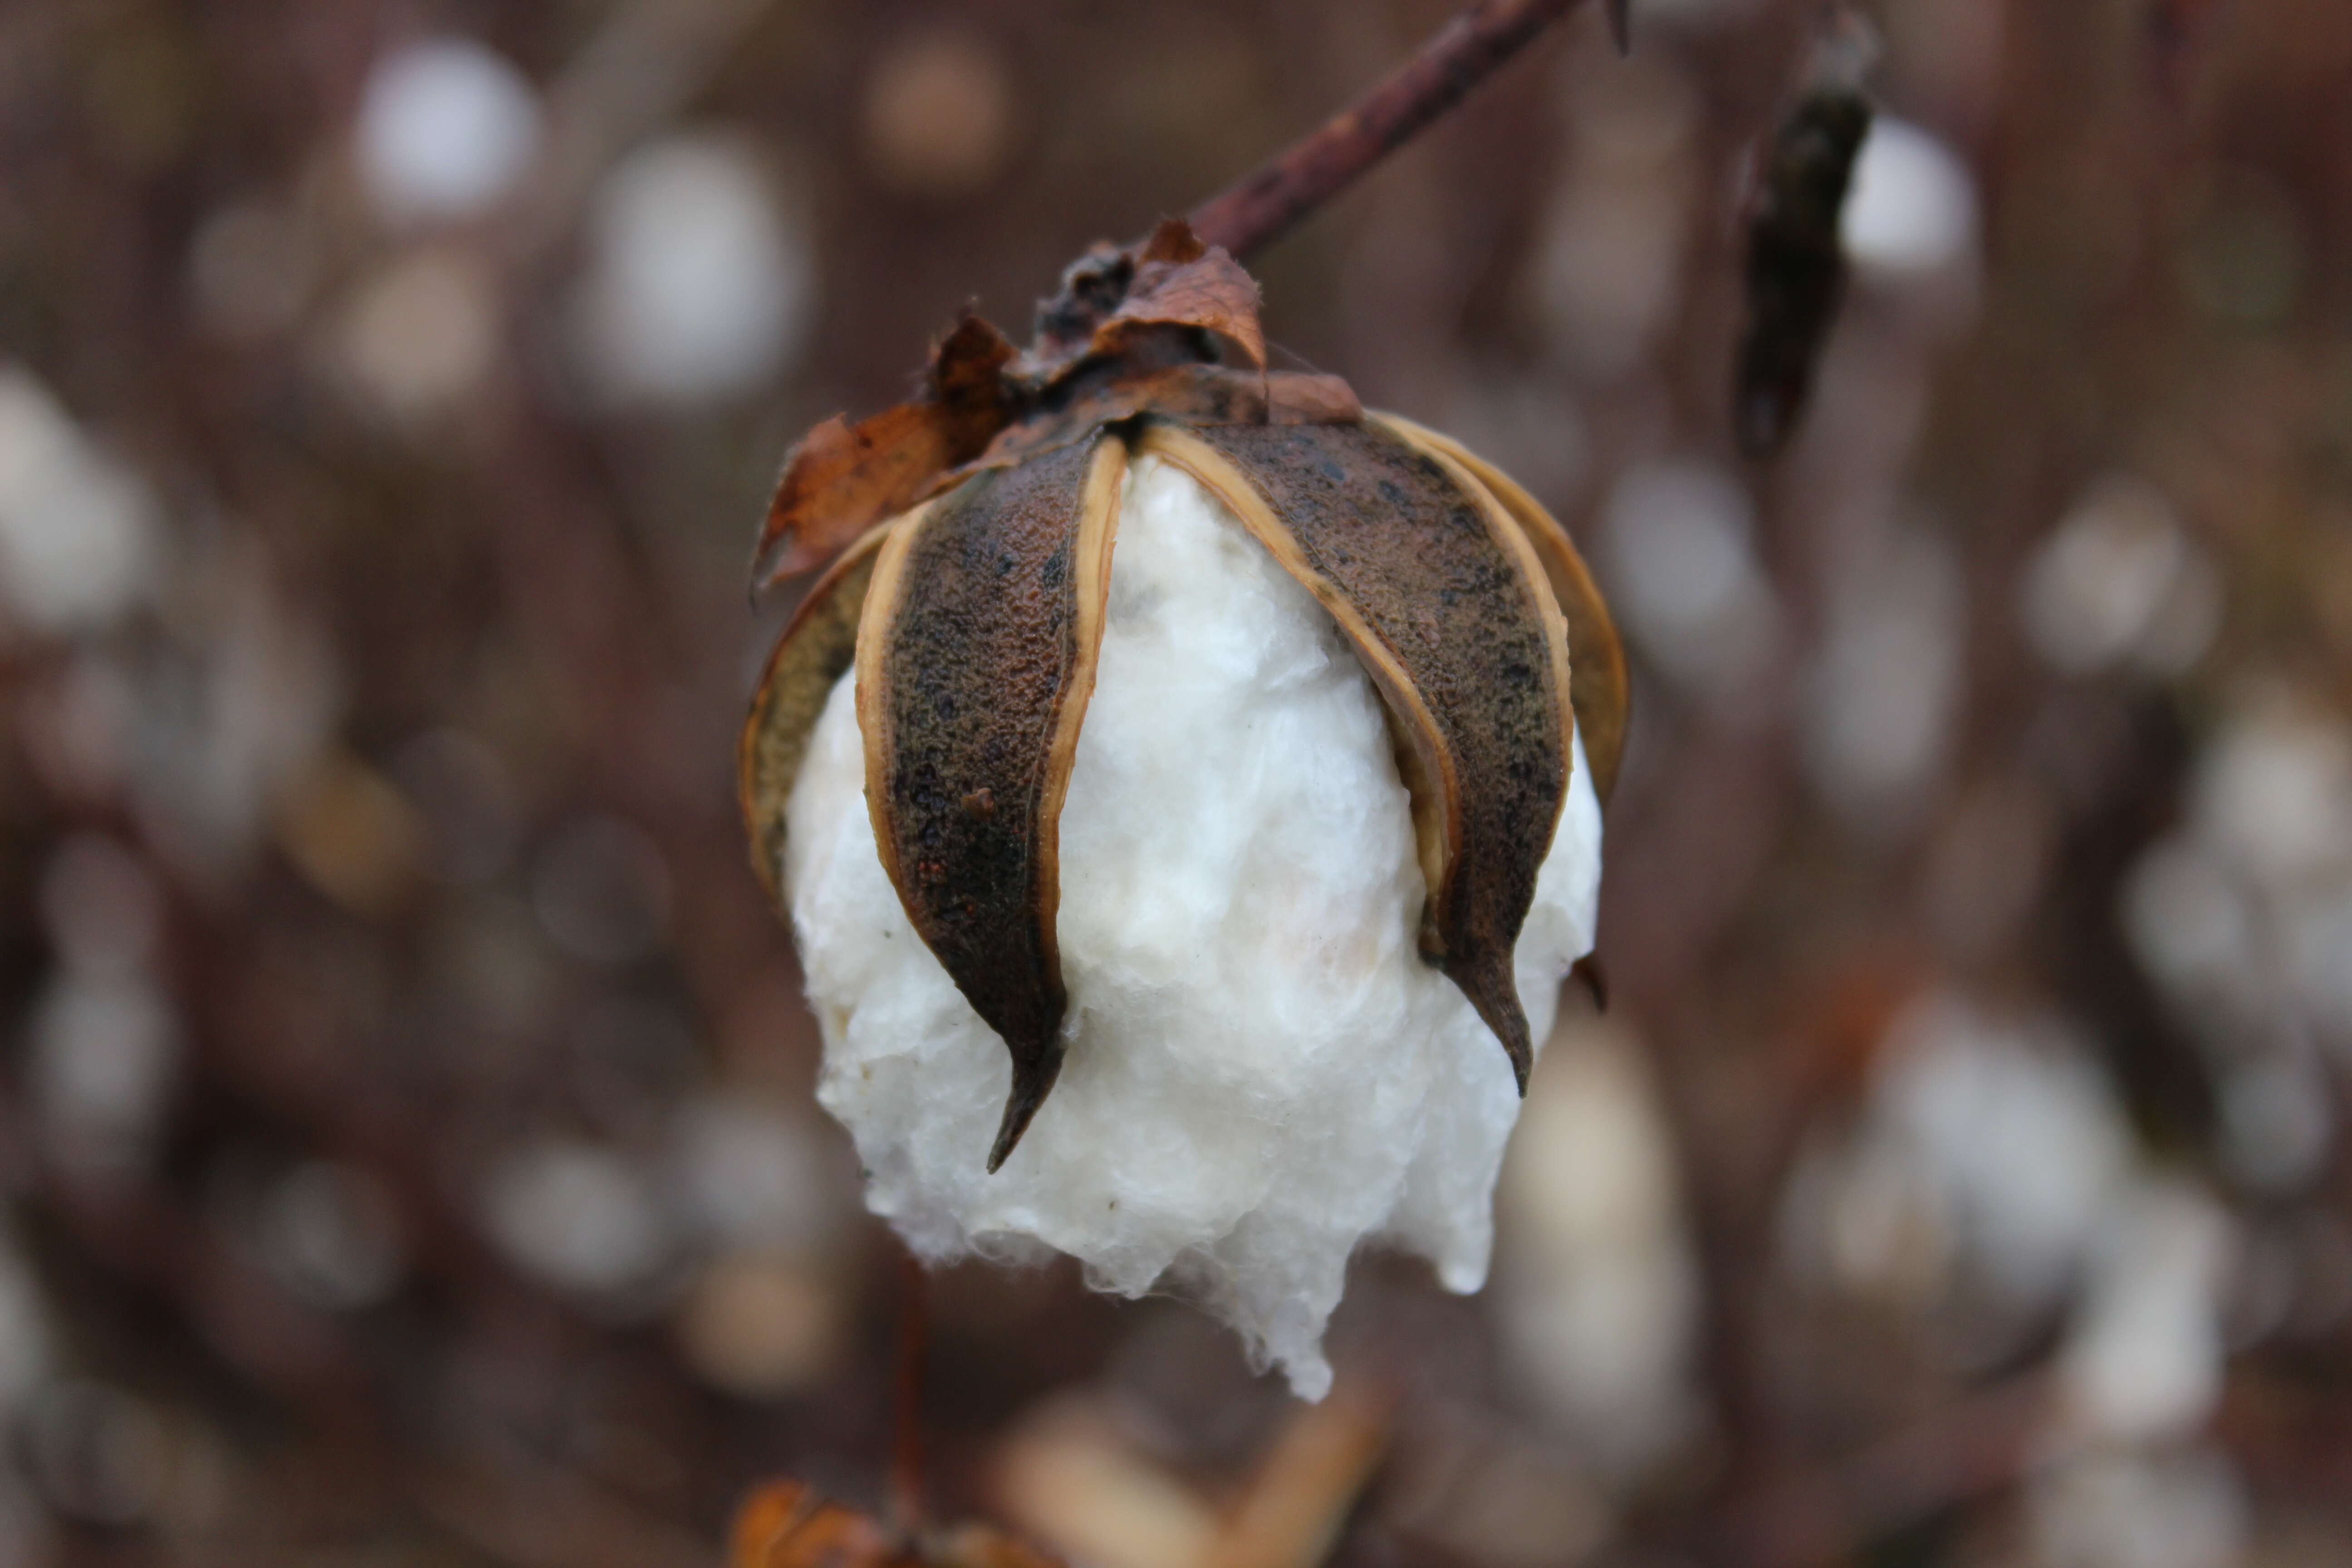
405,1092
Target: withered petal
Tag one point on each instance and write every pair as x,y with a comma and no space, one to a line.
976,656
1596,658
818,645
1449,612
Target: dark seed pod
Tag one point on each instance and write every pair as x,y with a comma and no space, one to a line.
1796,264
978,619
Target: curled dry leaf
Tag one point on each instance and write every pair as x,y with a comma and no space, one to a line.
1796,268
843,478
786,1524
977,616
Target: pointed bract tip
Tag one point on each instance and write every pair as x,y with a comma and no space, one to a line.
1031,1084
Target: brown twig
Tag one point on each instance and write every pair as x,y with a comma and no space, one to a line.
907,1442
1249,215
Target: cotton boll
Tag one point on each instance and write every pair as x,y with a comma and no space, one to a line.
1686,577
445,129
700,283
2014,1133
1885,683
1262,1072
78,529
1913,209
2183,1508
1598,1298
2120,582
2143,1362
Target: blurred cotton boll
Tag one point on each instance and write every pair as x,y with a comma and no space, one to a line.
1609,262
78,529
1912,210
1687,582
445,129
1885,683
2187,920
103,1055
2278,1121
700,281
2017,1139
939,115
422,333
759,1325
2274,791
2126,1509
332,1232
2120,583
1599,1298
753,1175
2143,1360
580,1217
24,1334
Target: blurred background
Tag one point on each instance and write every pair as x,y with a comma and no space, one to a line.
405,1115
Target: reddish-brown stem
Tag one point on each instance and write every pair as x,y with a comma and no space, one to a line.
1250,214
907,1442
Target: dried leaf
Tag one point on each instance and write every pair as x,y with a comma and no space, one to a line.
1112,299
1448,609
843,478
975,660
819,643
1180,282
1596,658
1796,264
786,1525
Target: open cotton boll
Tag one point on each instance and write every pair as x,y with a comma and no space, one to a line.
1263,1071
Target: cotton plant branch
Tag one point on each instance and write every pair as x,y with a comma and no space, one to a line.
1261,206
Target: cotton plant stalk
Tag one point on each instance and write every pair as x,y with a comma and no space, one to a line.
1185,788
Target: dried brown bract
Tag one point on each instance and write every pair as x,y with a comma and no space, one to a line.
976,528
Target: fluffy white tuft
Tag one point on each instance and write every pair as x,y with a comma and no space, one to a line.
1262,1071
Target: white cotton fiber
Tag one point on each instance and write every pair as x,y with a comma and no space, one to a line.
1262,1071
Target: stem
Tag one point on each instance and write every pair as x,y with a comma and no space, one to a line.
1247,216
907,1442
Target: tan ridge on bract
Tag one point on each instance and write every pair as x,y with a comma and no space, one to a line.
818,645
1450,613
976,656
1596,658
